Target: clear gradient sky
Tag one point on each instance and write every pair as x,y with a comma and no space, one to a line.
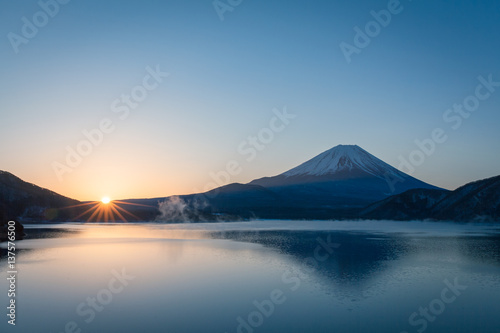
225,79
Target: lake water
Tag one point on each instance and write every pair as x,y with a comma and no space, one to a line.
261,276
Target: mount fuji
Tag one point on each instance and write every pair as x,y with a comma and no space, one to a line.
344,176
343,161
345,182
337,183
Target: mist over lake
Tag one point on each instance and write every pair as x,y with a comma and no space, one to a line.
260,276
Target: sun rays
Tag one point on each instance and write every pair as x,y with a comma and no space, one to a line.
106,210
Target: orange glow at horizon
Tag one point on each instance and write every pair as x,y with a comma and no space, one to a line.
106,211
85,185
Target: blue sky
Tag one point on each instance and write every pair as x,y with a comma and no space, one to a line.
225,79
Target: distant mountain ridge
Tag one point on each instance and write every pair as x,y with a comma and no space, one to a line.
476,201
344,182
26,201
479,200
345,176
335,184
410,205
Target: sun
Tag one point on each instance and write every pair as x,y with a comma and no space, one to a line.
106,210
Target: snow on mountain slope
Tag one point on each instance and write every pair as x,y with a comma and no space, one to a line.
412,204
345,175
344,158
473,201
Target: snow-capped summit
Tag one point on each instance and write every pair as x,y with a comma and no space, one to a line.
344,159
344,171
